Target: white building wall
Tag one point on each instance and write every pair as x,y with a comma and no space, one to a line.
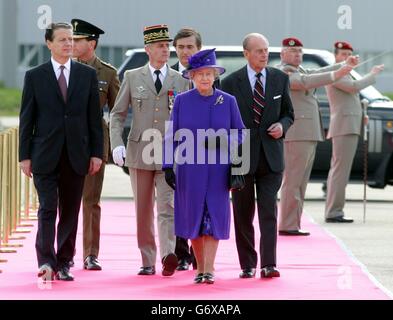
224,22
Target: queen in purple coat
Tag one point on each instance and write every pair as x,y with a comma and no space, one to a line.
197,146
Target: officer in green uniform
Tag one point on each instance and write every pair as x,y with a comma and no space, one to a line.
85,42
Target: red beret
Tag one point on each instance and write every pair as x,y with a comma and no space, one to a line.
292,42
343,45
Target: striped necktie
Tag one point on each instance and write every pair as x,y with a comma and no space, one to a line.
259,102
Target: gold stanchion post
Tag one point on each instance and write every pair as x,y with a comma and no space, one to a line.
6,196
15,212
1,194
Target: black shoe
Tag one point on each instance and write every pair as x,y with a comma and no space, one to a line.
46,272
293,233
341,219
247,273
209,277
147,271
169,264
64,274
269,272
183,265
71,263
91,263
199,278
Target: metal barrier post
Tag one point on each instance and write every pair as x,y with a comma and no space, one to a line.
15,210
1,193
6,196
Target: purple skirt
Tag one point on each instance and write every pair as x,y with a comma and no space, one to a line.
206,225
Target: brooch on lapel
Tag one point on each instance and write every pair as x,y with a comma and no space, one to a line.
220,99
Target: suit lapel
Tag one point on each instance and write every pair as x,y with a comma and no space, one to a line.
245,89
51,76
147,78
269,92
73,78
269,87
176,66
168,82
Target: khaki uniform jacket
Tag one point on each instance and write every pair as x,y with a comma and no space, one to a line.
108,86
149,111
303,83
345,107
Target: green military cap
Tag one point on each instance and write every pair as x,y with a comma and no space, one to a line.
83,29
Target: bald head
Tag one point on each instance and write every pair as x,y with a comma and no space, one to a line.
256,50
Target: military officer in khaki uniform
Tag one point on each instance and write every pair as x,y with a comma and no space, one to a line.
301,139
148,90
86,38
344,130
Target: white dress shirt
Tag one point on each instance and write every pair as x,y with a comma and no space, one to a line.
57,70
181,67
252,78
163,73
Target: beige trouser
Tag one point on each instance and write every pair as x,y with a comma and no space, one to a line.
92,212
143,183
344,149
299,158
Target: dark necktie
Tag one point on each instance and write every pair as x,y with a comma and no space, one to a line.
63,83
259,102
158,83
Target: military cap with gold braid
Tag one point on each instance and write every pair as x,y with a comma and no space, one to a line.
83,29
156,33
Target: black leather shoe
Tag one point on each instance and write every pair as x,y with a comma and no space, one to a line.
339,220
91,263
46,272
64,274
147,271
169,264
183,265
199,278
293,233
269,272
247,273
209,277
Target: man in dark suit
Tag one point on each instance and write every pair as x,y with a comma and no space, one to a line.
262,94
61,140
187,42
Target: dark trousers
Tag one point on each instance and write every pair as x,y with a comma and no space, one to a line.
267,184
60,189
183,251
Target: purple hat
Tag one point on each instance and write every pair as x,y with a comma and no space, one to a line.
202,59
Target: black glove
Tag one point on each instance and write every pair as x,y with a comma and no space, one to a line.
170,178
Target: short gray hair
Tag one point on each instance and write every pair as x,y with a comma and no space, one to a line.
249,36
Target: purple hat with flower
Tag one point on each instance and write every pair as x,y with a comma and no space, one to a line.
202,59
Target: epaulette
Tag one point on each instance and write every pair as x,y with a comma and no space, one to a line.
287,68
108,65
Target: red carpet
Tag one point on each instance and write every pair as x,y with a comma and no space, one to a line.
314,267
